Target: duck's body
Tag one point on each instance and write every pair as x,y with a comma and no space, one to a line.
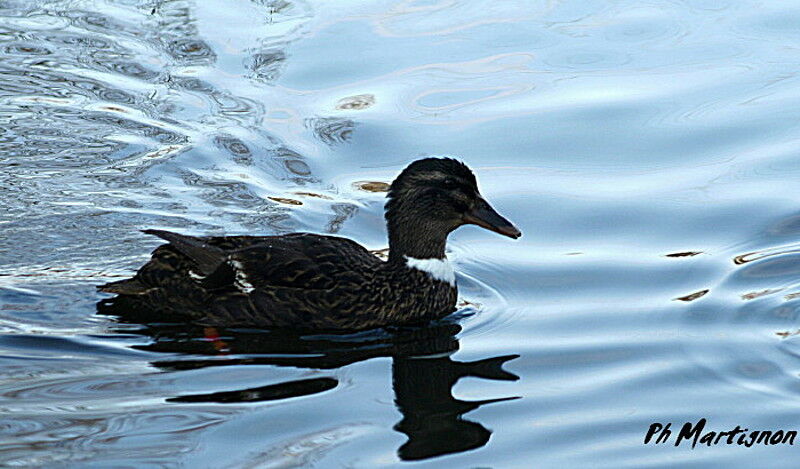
299,280
318,282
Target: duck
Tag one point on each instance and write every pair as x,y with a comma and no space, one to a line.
307,281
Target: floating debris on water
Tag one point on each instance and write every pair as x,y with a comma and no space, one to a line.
357,102
285,200
692,296
312,194
757,294
684,254
372,186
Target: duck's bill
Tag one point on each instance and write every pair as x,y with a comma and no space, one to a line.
485,216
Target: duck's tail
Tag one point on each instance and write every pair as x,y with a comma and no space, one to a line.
129,286
207,257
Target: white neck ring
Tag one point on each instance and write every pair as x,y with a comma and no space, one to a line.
438,269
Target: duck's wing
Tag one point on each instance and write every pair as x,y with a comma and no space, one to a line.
172,265
302,260
305,261
207,256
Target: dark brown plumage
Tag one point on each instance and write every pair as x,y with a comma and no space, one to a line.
317,282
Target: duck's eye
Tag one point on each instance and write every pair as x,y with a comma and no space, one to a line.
449,183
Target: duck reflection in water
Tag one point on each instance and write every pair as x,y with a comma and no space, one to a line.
423,371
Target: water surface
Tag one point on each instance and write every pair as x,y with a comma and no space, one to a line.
648,152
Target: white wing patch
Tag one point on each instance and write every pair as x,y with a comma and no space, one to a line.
438,269
242,283
195,275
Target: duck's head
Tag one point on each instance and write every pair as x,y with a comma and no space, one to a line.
432,197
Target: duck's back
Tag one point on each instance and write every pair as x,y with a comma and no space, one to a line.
295,280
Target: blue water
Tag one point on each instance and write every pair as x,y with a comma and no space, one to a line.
649,152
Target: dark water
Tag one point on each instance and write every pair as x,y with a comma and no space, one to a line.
650,152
